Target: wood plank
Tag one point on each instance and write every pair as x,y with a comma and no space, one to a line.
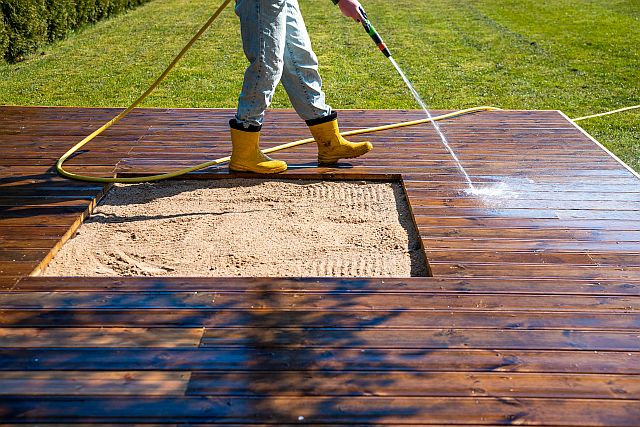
114,425
335,286
536,234
266,300
527,270
36,218
405,410
8,282
17,268
419,339
414,384
377,319
319,359
621,259
29,231
322,338
70,383
315,384
100,337
507,244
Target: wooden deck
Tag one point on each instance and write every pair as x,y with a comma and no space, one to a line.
532,316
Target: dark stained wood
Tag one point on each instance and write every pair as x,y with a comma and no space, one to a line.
100,337
386,383
460,319
533,316
273,300
136,383
318,383
326,409
335,286
227,359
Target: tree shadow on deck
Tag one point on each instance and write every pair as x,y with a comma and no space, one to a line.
277,351
310,355
44,194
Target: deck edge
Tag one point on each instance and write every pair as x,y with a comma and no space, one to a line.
599,144
44,263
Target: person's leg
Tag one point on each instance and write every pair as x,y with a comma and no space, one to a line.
262,25
263,29
300,76
303,84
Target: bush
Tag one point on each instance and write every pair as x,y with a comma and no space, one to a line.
106,8
62,18
85,12
102,9
116,6
29,24
4,36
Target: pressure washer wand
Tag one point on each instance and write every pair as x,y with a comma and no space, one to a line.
370,29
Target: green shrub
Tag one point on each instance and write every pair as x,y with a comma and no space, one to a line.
107,8
117,6
4,36
27,22
85,12
61,19
101,9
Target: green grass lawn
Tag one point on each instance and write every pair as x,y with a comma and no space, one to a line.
578,56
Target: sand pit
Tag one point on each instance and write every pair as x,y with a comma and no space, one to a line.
250,228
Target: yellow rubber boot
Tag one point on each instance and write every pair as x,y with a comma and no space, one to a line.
332,146
247,157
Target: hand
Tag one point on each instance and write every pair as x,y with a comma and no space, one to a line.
351,9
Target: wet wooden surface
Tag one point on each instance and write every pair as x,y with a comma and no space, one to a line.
533,316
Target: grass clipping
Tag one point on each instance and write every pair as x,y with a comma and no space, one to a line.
250,228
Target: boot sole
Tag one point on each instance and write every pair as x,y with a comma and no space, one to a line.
334,160
261,171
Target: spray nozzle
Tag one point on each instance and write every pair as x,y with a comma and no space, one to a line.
370,29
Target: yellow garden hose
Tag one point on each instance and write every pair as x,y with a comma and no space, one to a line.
89,138
116,119
168,175
225,3
619,110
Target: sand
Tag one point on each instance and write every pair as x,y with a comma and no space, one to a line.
249,228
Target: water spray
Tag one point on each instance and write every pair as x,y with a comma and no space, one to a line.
377,39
